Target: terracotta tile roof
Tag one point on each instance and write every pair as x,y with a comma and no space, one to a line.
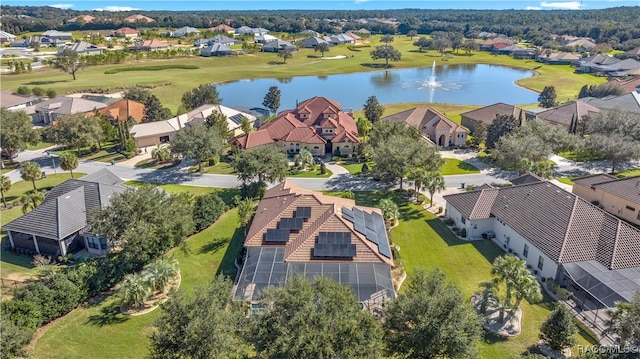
122,109
126,30
563,115
138,17
283,200
222,27
488,114
562,225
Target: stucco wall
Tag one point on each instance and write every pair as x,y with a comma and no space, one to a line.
615,205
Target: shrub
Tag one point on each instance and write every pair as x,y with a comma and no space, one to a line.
207,209
365,169
128,154
463,233
70,256
38,91
51,93
23,90
214,160
252,190
151,68
439,210
61,259
449,222
535,272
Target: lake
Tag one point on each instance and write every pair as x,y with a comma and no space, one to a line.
473,84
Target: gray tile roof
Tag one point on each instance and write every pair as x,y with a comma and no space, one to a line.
562,225
103,176
67,207
526,178
627,188
591,179
627,102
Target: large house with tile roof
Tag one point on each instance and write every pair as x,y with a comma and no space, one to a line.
487,114
627,102
121,111
50,110
302,232
317,125
138,18
618,196
436,128
559,235
58,226
568,115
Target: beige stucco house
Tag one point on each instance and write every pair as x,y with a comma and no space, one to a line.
436,128
618,196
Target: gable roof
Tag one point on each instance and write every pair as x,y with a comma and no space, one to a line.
9,99
564,114
81,47
627,188
186,30
424,117
138,17
222,28
488,113
627,102
526,178
63,105
122,109
67,207
562,225
126,30
6,35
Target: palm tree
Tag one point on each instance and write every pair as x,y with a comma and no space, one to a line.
246,125
30,201
134,290
31,171
245,211
5,186
419,176
364,126
526,286
68,162
487,296
306,158
389,210
434,182
507,268
160,273
161,154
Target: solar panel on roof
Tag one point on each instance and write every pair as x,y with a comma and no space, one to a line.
303,212
276,235
347,214
294,224
334,250
334,237
368,221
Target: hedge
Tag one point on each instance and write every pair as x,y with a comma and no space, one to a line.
151,68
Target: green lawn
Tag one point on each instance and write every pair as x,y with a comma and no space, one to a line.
580,156
353,168
266,65
150,163
8,166
21,187
311,174
226,194
566,180
454,166
40,145
629,173
452,111
108,153
99,330
222,168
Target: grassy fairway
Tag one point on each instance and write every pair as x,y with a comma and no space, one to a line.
454,166
100,331
267,65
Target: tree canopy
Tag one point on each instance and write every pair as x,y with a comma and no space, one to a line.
319,320
625,320
31,171
68,162
69,61
548,97
431,319
372,109
263,164
198,142
201,95
386,52
76,131
272,99
16,132
500,126
558,330
615,135
153,110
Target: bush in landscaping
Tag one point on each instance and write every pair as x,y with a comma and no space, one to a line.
53,296
207,209
23,90
128,154
254,190
151,68
38,91
449,222
365,169
463,233
51,93
323,168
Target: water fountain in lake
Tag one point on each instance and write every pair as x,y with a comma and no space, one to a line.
431,84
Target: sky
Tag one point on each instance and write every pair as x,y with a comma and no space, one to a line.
119,5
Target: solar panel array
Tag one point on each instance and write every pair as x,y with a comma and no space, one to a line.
277,235
334,244
371,225
293,224
303,212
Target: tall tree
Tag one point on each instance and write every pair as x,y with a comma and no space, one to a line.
615,136
558,330
364,126
548,97
77,131
518,281
390,211
205,94
319,320
207,209
69,61
245,212
263,164
16,132
30,201
153,110
197,142
386,52
322,48
246,125
31,171
161,154
625,320
68,162
422,321
203,325
372,109
5,186
272,99
218,122
285,54
501,125
386,39
434,183
422,44
479,134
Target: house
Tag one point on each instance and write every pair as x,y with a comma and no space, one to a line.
309,32
488,113
633,53
152,133
627,85
150,45
123,110
58,226
14,102
570,114
216,49
82,48
218,39
595,63
317,125
301,232
125,32
265,38
81,19
436,128
185,31
138,18
581,44
559,235
246,30
558,58
42,41
55,34
356,39
341,39
312,42
50,110
278,45
6,37
618,196
223,28
626,102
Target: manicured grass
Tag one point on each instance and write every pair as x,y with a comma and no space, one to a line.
222,168
267,65
226,194
452,111
21,187
580,156
150,163
8,167
108,152
315,173
565,180
353,168
40,145
628,173
453,166
99,330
